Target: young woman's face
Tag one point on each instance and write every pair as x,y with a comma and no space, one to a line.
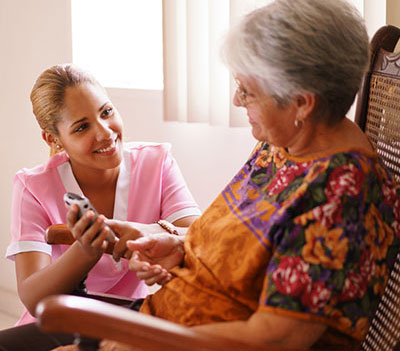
91,128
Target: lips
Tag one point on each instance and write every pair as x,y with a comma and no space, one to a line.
107,149
109,146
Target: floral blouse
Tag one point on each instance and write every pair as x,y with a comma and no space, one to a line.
342,220
311,238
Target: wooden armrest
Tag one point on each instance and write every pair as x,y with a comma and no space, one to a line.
100,320
110,298
61,235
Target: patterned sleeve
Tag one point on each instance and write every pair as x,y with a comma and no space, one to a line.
28,221
333,248
177,201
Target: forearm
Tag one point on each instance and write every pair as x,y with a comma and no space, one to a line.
267,329
235,330
183,224
58,277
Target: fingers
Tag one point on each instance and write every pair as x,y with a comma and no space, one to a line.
166,280
128,254
141,244
160,278
121,250
119,227
150,274
91,231
153,274
72,215
137,264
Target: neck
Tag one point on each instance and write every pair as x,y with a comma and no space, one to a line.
90,180
314,139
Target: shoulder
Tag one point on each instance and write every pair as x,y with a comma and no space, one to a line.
40,173
361,165
141,146
147,150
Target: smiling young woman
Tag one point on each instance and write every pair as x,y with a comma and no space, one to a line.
138,182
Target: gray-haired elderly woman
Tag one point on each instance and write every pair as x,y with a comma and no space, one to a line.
295,251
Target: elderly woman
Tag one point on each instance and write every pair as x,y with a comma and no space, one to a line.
300,242
296,249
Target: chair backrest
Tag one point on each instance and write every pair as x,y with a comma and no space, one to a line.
378,114
378,105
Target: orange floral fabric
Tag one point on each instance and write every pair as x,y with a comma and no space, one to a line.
310,238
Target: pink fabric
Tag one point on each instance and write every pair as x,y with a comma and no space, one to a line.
149,181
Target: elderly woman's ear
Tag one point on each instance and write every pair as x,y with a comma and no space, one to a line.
305,104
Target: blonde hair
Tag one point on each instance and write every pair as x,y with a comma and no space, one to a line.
48,94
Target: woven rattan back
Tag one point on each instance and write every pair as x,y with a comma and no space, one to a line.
378,114
383,117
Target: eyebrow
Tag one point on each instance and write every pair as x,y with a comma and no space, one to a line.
85,118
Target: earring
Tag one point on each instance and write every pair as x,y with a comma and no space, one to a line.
58,147
298,123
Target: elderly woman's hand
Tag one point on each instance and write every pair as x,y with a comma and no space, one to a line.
154,255
129,231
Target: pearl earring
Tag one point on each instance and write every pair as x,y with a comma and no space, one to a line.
298,123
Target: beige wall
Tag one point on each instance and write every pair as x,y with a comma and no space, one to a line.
33,35
36,34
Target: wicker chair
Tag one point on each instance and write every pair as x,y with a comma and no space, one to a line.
378,105
378,114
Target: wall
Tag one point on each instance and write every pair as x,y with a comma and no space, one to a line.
393,16
35,35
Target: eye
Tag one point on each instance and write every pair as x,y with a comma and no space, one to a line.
81,128
107,112
243,92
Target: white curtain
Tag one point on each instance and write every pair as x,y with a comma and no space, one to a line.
197,87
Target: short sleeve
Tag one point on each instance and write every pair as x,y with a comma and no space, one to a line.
177,201
28,221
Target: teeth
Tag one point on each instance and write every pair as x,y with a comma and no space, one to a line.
114,137
106,149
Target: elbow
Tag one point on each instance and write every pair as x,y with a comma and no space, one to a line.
29,301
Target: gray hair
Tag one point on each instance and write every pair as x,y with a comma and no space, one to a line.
302,46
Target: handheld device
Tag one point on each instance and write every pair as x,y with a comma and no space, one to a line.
84,205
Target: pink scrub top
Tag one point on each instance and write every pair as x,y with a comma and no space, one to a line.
150,187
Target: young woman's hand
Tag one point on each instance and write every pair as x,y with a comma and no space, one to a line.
91,236
130,231
154,255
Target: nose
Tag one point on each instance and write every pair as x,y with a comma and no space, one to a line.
103,130
236,100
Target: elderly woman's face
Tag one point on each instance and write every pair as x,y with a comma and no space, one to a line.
269,122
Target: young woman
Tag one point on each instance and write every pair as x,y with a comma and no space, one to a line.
139,182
